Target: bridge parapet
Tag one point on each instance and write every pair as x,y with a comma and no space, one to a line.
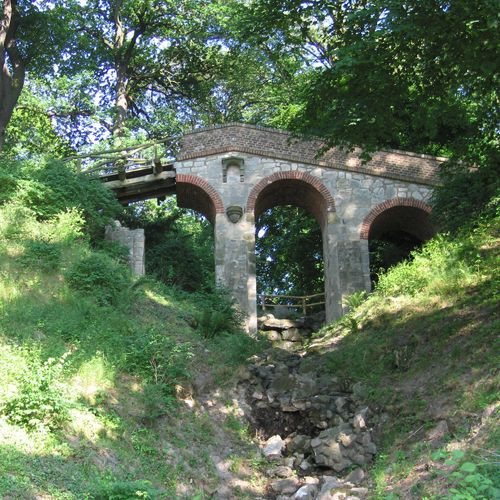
278,144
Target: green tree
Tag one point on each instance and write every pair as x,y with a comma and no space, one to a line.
143,54
179,244
31,40
420,75
289,252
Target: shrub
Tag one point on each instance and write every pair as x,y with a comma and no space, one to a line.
442,260
67,226
468,480
160,359
220,314
39,402
41,254
100,276
17,222
49,187
179,245
465,193
176,261
125,490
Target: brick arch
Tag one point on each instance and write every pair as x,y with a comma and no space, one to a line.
395,203
294,188
197,194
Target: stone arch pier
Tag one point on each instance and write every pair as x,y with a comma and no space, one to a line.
232,173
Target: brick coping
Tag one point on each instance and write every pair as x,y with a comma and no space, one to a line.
273,130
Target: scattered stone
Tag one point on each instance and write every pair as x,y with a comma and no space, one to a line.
346,439
257,395
356,476
286,345
359,422
314,419
273,335
329,486
359,459
274,446
359,390
283,471
306,492
292,334
436,435
310,480
360,492
300,443
272,323
285,486
305,466
340,403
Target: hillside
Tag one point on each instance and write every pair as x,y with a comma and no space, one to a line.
114,387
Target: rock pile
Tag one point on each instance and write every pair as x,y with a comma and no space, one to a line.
312,428
289,334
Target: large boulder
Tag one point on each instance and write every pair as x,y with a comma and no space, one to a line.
328,451
273,323
273,448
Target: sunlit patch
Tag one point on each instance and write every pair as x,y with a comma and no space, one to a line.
86,424
159,299
93,376
29,443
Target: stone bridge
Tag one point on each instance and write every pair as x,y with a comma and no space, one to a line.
233,173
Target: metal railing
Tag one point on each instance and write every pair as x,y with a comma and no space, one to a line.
299,302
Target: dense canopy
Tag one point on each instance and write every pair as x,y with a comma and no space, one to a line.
421,75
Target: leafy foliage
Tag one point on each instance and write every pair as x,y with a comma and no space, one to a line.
289,252
161,360
98,275
43,254
31,130
219,315
39,403
125,490
468,480
50,187
179,245
466,194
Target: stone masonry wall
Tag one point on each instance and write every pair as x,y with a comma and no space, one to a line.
250,168
134,240
273,143
355,194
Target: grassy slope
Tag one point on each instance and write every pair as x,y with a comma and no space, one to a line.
124,365
425,349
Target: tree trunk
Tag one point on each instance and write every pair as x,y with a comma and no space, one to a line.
121,68
11,66
121,101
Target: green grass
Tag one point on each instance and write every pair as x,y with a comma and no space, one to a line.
125,347
425,347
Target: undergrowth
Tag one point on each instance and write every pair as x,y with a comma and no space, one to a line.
93,361
423,347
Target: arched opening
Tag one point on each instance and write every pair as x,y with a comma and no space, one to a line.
289,253
291,211
393,230
198,195
179,236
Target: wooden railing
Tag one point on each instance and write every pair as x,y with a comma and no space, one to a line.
299,302
122,159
